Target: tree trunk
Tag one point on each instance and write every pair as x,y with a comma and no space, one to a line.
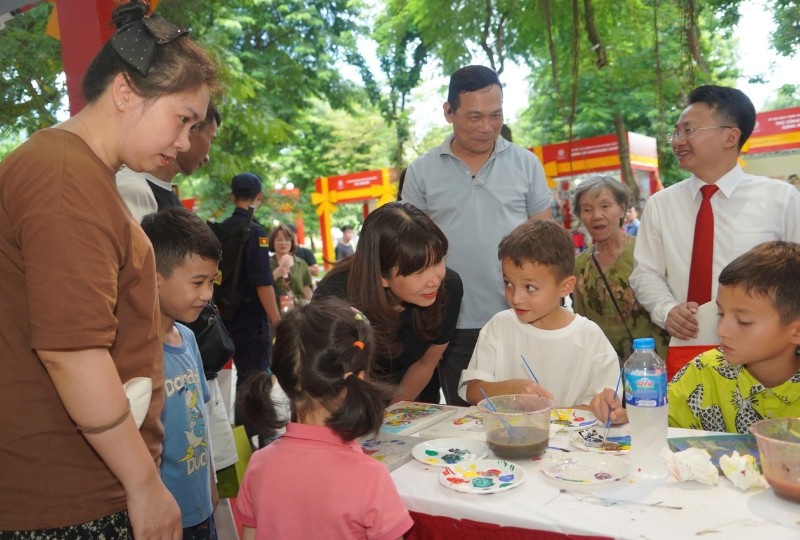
594,37
692,41
551,47
625,158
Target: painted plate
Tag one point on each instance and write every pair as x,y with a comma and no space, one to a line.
613,445
482,476
585,468
447,452
571,419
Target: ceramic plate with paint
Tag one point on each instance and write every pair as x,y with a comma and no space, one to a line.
482,476
447,452
571,419
613,445
588,468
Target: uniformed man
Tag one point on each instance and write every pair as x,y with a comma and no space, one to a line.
250,325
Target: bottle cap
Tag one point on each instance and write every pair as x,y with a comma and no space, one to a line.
644,343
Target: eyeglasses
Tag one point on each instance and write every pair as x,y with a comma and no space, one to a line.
688,133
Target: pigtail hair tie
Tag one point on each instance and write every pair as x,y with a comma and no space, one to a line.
359,345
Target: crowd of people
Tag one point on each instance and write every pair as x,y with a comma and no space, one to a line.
113,425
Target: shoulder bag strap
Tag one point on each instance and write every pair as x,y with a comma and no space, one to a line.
610,294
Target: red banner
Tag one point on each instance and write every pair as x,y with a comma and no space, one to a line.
775,131
347,182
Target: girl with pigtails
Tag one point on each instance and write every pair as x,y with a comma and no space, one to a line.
315,481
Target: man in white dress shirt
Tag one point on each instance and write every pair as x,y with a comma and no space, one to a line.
748,210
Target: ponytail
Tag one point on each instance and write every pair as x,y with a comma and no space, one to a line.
255,405
361,412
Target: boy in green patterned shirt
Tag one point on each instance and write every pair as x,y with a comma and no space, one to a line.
755,372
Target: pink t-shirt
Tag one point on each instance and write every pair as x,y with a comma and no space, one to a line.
312,484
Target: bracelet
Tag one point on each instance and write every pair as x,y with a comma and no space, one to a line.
106,427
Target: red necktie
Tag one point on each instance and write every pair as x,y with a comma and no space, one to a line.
702,250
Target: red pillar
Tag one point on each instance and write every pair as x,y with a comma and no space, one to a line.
84,26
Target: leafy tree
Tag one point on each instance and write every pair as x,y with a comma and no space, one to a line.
787,96
622,72
402,55
278,56
31,82
786,38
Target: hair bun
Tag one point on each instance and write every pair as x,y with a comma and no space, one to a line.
133,11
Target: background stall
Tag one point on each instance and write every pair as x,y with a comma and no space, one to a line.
774,147
373,188
567,163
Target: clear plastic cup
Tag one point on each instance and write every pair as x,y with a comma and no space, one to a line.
519,428
779,451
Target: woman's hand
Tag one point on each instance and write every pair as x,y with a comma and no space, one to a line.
153,512
286,263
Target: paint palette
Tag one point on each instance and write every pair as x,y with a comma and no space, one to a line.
482,476
588,469
613,445
571,419
447,452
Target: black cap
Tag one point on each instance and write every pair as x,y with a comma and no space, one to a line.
246,185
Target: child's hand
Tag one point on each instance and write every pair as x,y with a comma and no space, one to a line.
604,403
526,386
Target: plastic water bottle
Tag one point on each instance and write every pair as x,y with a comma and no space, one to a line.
646,396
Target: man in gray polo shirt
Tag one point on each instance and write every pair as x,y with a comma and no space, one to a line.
477,187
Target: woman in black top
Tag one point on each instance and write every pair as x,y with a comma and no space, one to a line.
398,279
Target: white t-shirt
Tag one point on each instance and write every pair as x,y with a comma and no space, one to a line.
574,363
137,194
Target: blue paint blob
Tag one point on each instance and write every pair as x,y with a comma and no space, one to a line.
451,458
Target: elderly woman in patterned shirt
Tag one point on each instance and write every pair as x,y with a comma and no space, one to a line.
602,292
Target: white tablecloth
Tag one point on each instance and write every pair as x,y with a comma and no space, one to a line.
719,512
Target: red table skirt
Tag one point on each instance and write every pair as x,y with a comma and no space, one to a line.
427,527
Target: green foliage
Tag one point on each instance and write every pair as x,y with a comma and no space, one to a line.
291,115
786,38
646,89
31,82
787,96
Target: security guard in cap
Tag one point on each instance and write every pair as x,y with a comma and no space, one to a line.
250,326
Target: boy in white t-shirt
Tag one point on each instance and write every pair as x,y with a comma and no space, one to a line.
568,353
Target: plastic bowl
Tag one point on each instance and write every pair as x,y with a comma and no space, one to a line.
779,450
520,426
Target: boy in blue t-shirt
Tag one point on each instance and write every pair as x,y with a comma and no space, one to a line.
187,256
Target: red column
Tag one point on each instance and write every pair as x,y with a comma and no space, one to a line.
84,26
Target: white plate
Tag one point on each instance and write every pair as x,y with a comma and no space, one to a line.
622,444
571,419
585,468
447,452
482,476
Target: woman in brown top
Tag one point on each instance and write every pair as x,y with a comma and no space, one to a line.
78,299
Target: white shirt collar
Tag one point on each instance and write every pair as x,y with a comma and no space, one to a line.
727,184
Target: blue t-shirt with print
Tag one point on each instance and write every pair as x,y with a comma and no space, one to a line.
186,458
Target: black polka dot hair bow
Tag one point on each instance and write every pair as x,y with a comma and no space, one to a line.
136,42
